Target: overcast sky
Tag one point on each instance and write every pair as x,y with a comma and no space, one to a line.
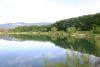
45,10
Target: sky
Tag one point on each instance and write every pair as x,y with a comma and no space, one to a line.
32,11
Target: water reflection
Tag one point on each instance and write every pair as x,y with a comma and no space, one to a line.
90,45
28,53
32,51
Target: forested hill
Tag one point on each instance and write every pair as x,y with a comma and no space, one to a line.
82,23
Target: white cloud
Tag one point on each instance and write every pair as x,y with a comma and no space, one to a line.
42,10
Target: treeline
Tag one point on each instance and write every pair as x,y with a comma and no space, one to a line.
81,23
31,28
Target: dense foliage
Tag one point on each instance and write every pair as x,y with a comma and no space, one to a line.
81,23
31,29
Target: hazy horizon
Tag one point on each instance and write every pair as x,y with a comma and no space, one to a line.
25,22
32,11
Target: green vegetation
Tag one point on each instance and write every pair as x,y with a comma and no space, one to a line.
89,23
81,23
31,29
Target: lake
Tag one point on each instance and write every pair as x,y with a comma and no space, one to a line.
38,51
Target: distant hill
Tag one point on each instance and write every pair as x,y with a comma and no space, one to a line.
14,25
81,23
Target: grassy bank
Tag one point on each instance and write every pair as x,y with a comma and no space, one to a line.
81,33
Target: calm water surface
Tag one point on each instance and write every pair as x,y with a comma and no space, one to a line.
16,52
28,53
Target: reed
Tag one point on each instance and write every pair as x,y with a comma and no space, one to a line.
72,60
